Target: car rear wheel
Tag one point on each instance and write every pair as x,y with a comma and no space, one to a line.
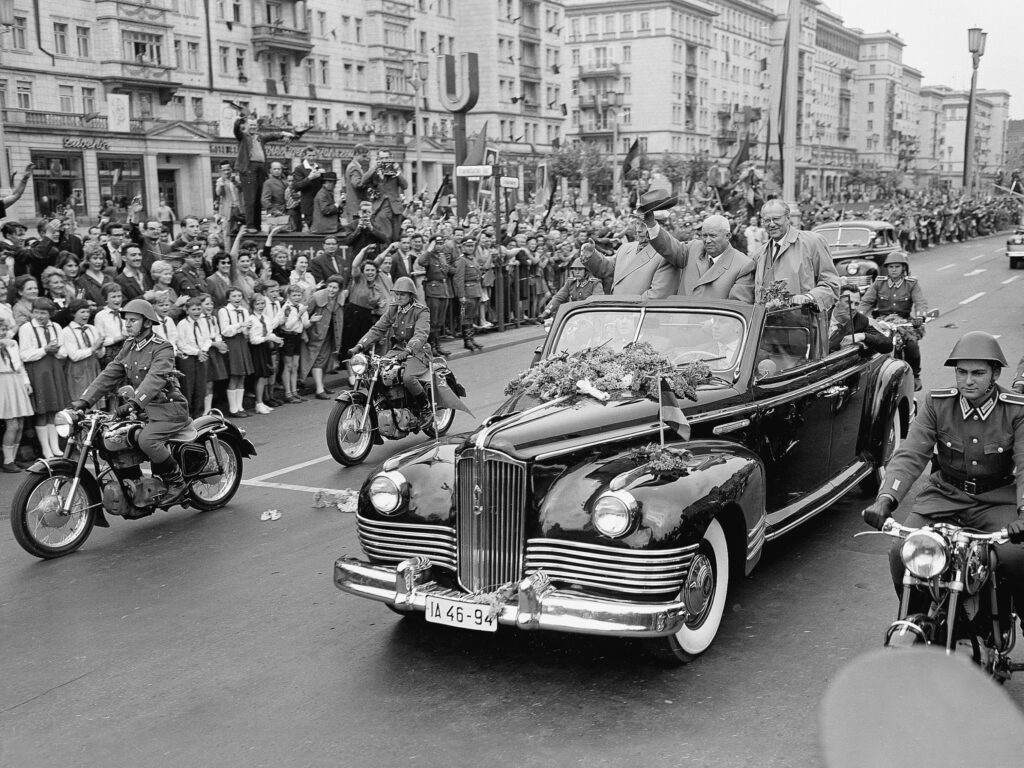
893,437
704,593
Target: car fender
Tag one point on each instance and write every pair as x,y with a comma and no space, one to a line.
428,495
92,486
723,480
894,389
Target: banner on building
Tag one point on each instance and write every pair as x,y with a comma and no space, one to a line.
119,117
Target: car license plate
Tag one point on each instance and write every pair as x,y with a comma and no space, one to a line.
459,613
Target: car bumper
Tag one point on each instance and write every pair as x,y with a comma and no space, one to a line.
535,603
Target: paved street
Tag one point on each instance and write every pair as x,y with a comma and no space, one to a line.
219,640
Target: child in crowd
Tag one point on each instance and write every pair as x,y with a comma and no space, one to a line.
216,365
167,329
294,322
109,323
261,337
43,354
15,392
235,322
83,344
193,348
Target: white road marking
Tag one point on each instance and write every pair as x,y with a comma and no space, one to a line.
969,299
973,272
285,486
948,266
979,256
292,468
1010,280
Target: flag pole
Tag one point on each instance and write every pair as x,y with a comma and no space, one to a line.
661,420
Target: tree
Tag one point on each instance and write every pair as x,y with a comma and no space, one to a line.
593,166
566,162
675,168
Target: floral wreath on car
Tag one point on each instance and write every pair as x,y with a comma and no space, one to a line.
902,327
775,296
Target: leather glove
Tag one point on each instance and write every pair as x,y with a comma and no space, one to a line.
401,355
126,410
78,405
917,322
355,350
1015,530
878,513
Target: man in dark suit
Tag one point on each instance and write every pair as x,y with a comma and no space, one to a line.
361,232
307,178
325,209
389,207
133,279
116,243
848,326
252,164
711,267
331,263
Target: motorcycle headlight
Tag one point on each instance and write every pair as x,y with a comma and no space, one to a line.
358,364
387,491
924,554
852,269
614,513
64,423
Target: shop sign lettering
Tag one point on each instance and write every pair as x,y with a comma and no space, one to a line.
71,142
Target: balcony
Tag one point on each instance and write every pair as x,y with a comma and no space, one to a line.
691,70
590,132
529,72
392,101
691,100
119,76
726,136
90,123
724,111
278,38
588,101
599,70
529,32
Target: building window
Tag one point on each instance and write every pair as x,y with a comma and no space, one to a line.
321,23
423,42
311,116
326,112
286,113
88,100
357,26
575,58
871,87
361,78
3,94
325,71
627,22
871,69
197,106
192,56
627,54
225,59
609,24
627,85
60,38
24,94
307,68
645,21
84,37
871,107
142,47
871,125
236,10
66,98
240,61
177,53
18,35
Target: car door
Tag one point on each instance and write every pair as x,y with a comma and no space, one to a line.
849,374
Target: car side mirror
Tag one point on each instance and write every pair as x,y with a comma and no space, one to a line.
767,368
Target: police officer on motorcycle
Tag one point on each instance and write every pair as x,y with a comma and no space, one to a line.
898,294
978,428
406,323
147,363
578,287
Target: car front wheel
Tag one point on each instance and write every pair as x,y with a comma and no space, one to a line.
704,592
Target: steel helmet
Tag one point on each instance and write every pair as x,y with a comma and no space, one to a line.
977,345
577,263
141,307
405,285
898,257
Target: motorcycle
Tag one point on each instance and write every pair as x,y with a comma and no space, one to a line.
955,569
898,329
378,406
62,499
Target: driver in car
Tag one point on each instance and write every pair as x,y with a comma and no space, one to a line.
146,361
720,353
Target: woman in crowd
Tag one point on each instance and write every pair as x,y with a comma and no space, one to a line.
302,277
235,322
326,318
43,354
70,265
368,297
261,340
294,322
83,344
163,275
27,291
95,276
15,396
219,282
280,264
55,288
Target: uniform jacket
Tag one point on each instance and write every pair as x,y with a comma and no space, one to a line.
407,327
804,263
438,270
635,269
971,448
730,277
466,280
575,290
148,366
905,298
188,282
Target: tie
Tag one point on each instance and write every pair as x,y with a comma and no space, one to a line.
195,332
238,315
6,357
334,263
85,337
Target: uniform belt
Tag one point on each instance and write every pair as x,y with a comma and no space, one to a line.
978,485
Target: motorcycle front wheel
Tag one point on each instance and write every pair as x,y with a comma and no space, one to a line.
38,520
214,492
346,443
440,423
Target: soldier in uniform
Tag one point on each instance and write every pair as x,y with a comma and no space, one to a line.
978,428
147,363
898,294
436,290
577,287
466,283
406,324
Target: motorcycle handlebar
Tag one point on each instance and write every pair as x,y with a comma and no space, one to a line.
892,528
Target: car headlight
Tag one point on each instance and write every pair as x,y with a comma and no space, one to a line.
615,513
852,269
924,554
63,422
357,364
387,492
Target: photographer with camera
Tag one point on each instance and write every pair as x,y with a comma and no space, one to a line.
386,189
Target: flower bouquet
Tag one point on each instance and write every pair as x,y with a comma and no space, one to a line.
775,296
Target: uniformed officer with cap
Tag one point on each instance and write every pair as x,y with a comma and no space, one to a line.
577,287
978,430
406,323
147,363
898,294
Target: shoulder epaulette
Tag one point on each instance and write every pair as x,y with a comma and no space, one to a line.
1011,397
879,279
948,392
910,278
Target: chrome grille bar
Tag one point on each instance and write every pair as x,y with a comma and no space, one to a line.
394,542
491,493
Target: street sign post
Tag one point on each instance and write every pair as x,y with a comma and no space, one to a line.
509,182
473,171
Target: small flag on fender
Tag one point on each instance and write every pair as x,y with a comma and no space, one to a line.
671,414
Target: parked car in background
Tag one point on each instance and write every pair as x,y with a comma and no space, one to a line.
1015,248
859,248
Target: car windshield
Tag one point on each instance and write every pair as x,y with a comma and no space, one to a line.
682,337
846,235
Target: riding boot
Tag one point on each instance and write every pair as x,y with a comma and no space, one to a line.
467,338
472,339
170,473
435,344
418,403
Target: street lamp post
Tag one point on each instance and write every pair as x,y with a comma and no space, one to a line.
976,45
611,101
416,74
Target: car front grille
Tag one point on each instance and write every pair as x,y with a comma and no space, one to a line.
394,542
646,572
490,514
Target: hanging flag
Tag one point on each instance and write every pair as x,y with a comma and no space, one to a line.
632,161
670,412
742,155
475,150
